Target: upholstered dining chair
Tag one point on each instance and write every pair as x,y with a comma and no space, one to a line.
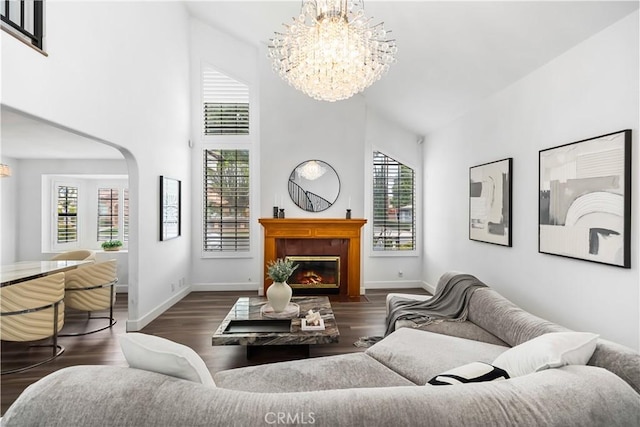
92,288
33,310
79,255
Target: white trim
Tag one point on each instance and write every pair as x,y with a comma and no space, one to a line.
396,284
137,324
429,287
215,287
122,288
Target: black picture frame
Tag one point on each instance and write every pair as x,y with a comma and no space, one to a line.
584,199
490,200
170,208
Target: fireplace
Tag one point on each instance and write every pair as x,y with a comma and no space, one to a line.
315,272
331,256
314,240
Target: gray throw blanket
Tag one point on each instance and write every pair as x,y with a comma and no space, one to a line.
450,303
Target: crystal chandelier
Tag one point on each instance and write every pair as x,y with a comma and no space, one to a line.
330,52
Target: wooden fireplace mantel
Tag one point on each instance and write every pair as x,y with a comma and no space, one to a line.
315,228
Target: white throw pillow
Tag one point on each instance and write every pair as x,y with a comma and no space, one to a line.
161,355
474,372
551,350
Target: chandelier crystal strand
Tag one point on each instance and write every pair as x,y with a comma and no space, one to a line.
330,52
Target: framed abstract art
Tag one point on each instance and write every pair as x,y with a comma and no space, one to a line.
585,199
490,193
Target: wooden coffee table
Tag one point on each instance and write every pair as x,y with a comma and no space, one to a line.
247,325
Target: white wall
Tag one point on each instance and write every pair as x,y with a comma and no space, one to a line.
296,128
116,75
590,90
8,213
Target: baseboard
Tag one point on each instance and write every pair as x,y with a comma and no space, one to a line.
429,287
138,324
122,289
213,287
394,284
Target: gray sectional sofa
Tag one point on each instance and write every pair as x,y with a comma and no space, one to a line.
382,386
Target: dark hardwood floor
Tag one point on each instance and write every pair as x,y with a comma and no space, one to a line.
191,322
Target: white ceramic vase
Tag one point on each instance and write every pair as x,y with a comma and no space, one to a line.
279,296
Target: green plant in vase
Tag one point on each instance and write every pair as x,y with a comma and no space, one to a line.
280,270
279,292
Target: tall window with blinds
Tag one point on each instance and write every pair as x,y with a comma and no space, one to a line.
226,154
225,104
394,215
226,201
67,214
108,218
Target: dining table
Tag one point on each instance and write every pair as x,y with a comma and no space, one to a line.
22,271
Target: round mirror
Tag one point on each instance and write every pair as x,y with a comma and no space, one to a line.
314,186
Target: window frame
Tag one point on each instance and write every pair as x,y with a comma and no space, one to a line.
119,199
230,142
87,215
53,213
371,251
34,37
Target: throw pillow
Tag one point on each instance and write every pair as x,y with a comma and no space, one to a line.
474,372
551,350
161,355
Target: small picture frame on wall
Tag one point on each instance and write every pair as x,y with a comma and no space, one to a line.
585,200
170,208
490,194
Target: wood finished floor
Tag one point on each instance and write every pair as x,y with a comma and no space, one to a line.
191,322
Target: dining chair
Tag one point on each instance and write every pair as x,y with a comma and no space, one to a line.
91,288
78,255
33,310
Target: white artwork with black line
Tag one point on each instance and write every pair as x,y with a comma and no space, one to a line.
584,207
490,202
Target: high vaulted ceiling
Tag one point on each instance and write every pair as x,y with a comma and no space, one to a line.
451,56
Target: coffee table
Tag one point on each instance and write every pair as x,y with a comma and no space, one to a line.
246,325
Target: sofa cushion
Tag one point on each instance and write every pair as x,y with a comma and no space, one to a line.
551,350
493,312
355,370
161,355
420,355
474,372
466,329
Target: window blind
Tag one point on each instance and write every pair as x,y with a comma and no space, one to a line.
226,201
226,104
108,214
67,221
394,219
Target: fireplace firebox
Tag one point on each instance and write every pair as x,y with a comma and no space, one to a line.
315,272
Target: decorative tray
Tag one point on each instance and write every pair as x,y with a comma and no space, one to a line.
291,311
